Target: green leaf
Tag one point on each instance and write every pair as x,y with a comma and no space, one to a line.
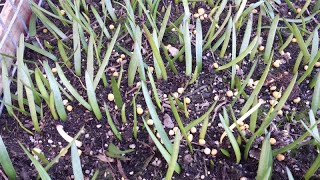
232,139
100,21
180,123
156,52
164,23
290,176
50,25
6,86
42,172
162,150
316,95
76,163
41,51
111,123
241,56
116,92
314,167
301,42
63,54
5,161
154,89
270,39
195,122
257,89
268,119
106,58
92,97
77,48
55,88
156,120
123,113
71,89
111,10
198,49
174,156
265,160
114,151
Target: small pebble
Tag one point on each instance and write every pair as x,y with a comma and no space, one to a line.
69,108
150,122
229,93
277,63
280,157
273,141
297,100
216,65
196,15
110,97
139,110
261,48
115,74
202,142
276,94
201,11
50,141
273,88
298,10
273,102
188,101
122,56
132,146
214,152
180,90
207,151
62,12
193,130
65,102
171,132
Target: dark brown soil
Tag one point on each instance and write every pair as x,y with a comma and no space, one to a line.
146,162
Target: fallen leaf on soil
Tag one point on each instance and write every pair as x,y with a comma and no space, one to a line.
173,51
167,121
104,158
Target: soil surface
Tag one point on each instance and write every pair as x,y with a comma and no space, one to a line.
146,162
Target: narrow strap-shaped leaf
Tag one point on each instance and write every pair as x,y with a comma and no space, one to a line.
92,96
76,163
55,88
106,58
71,89
41,51
116,92
42,172
6,162
162,150
270,40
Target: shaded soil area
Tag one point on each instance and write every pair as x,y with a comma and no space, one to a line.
146,162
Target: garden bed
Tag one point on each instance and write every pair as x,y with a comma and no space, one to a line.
212,99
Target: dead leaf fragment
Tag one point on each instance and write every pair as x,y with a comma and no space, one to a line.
167,121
